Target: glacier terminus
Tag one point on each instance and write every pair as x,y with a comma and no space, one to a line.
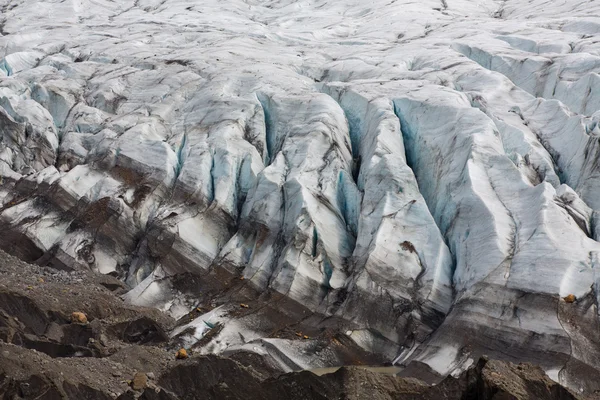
390,180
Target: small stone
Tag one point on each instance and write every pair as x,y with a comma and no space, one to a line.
79,317
116,374
570,298
181,354
150,375
139,382
305,337
244,305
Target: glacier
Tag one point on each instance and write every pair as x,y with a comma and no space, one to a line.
421,178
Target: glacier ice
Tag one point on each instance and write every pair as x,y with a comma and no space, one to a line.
421,175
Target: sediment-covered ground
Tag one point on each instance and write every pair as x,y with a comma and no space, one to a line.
121,351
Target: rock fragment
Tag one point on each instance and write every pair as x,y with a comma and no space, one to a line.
570,298
181,354
79,318
140,381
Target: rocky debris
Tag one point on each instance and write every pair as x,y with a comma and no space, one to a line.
44,376
487,380
501,380
181,354
139,381
41,318
79,317
140,330
570,298
100,359
219,378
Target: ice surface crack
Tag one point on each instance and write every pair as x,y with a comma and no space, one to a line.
270,133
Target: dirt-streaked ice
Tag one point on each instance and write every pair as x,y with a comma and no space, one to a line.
423,173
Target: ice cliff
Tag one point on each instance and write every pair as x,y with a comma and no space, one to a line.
425,174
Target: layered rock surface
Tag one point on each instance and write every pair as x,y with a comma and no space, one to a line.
419,177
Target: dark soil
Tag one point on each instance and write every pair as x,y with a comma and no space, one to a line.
125,352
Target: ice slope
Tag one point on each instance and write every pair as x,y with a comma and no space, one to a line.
425,173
